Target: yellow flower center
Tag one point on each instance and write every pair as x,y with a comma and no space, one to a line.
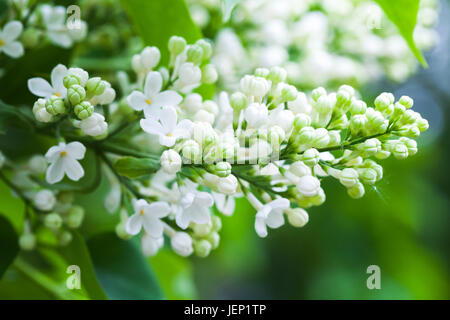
141,212
148,101
2,42
63,153
169,134
57,94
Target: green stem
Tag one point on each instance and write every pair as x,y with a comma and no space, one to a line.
15,189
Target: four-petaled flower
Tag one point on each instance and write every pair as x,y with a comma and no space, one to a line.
63,159
270,215
41,88
148,216
194,207
8,43
167,128
153,99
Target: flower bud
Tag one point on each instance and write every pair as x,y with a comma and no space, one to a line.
76,94
207,48
358,107
256,114
209,74
193,102
308,186
27,241
254,86
194,54
411,145
150,57
297,217
319,198
368,176
95,125
71,80
348,177
384,100
289,93
95,86
55,106
191,151
406,101
310,157
277,75
300,104
170,161
44,200
357,191
64,238
409,117
214,239
261,72
216,223
370,147
150,245
301,120
222,169
81,74
121,231
202,248
201,230
323,105
238,101
75,217
53,221
176,45
357,123
318,92
182,244
400,151
37,164
227,185
40,111
335,137
321,138
30,37
276,135
189,74
300,169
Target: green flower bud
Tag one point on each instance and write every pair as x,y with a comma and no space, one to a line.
368,176
410,144
238,101
297,217
348,89
382,154
121,231
406,101
399,110
55,106
201,230
76,94
276,135
370,147
53,221
400,151
358,107
194,54
27,241
341,123
289,93
305,136
375,166
214,239
277,75
409,117
321,138
216,223
209,74
349,177
413,132
96,86
384,100
357,191
207,48
65,238
318,92
323,105
71,80
358,123
344,95
75,217
202,248
222,169
375,118
310,157
318,199
83,110
176,45
30,37
191,151
301,120
422,124
335,137
262,72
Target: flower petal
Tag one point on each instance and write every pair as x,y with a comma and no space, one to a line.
167,98
57,77
13,49
76,150
134,224
153,84
280,203
60,37
40,87
275,219
136,100
204,199
12,30
260,227
53,153
159,209
73,168
55,172
168,118
152,226
151,126
182,219
183,129
166,140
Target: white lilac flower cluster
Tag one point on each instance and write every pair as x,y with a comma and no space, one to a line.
42,22
268,142
55,210
319,42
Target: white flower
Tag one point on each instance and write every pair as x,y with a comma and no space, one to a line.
8,43
44,200
148,216
95,125
254,86
150,245
152,99
106,97
300,104
41,88
189,77
80,73
63,160
182,244
194,207
37,164
270,215
281,118
167,128
256,115
170,161
40,112
227,185
224,203
193,102
308,186
55,22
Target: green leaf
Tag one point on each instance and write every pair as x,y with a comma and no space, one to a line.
8,244
10,115
122,269
132,168
157,20
77,253
403,13
227,8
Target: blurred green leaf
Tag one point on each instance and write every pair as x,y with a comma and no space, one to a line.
157,20
175,275
11,207
132,168
10,115
8,244
403,13
122,269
